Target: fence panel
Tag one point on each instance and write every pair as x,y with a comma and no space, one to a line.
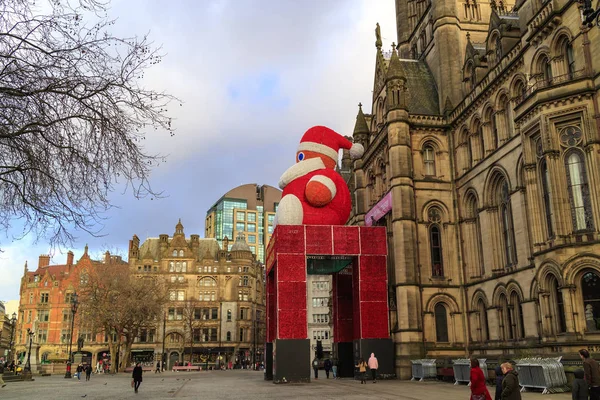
546,374
423,369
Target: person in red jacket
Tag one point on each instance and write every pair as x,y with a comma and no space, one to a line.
314,193
478,389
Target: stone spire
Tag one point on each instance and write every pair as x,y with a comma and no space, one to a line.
25,269
361,123
394,68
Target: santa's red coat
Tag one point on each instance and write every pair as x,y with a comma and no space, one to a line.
294,181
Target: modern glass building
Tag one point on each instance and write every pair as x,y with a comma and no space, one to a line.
249,209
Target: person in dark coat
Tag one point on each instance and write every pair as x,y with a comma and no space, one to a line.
511,388
478,389
137,376
591,371
499,378
88,372
327,366
315,365
79,370
580,388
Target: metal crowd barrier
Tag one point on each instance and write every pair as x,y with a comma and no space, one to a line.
423,369
547,374
462,369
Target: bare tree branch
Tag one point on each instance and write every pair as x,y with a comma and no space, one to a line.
73,116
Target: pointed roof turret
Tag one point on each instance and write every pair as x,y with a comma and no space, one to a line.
240,243
361,123
179,228
25,269
395,70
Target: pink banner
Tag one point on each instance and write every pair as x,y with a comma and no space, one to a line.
379,210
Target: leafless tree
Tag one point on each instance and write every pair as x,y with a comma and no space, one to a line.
121,303
73,115
191,321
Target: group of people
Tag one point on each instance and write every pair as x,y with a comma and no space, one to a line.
87,368
328,365
362,366
586,384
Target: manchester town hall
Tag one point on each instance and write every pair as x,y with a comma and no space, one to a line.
482,160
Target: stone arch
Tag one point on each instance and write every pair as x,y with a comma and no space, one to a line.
445,298
547,269
514,287
440,205
542,51
502,93
499,290
479,295
494,177
471,203
518,85
231,288
575,266
430,140
558,40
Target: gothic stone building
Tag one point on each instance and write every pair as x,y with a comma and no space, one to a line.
220,291
484,134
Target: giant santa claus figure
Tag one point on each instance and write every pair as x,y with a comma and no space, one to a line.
313,192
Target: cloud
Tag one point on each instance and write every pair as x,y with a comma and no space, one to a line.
253,76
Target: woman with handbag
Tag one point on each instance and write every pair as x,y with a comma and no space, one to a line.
478,389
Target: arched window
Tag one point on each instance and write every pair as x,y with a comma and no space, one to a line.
504,325
557,305
481,142
441,323
429,160
435,242
207,282
545,177
508,233
229,336
590,291
475,255
178,266
546,70
174,253
484,333
228,315
184,266
505,105
579,194
517,325
180,253
490,119
569,58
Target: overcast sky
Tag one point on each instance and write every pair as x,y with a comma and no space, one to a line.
253,76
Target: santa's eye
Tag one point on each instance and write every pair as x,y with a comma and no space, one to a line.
300,156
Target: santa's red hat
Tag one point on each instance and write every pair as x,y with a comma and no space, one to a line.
321,139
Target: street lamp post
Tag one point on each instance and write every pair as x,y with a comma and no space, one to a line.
74,305
13,323
30,333
163,355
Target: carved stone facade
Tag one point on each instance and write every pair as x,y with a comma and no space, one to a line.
485,132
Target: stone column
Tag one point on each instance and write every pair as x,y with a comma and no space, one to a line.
533,196
567,292
493,322
560,204
502,128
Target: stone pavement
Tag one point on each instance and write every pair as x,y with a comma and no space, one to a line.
236,384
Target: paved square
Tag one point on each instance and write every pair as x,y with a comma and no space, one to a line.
236,384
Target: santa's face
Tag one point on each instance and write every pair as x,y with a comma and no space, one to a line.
306,155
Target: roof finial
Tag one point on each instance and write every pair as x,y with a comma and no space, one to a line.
360,105
85,251
378,42
25,269
468,36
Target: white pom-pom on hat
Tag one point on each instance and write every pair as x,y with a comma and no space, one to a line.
357,150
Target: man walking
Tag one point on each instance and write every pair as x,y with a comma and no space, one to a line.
88,372
592,374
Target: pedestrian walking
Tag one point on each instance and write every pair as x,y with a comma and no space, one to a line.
334,367
88,372
315,365
580,388
511,389
2,384
591,372
478,389
79,370
327,366
499,378
157,368
136,377
373,365
362,371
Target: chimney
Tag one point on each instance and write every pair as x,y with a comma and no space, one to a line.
44,261
70,258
